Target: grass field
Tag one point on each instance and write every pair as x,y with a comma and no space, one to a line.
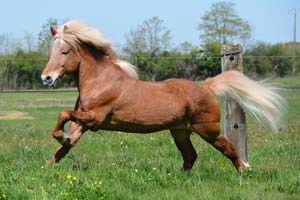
113,165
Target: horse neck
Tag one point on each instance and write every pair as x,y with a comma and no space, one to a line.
96,70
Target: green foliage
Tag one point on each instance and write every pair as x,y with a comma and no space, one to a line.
278,59
21,70
211,61
255,64
113,165
282,66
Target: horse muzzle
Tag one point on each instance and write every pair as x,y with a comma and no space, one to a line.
50,80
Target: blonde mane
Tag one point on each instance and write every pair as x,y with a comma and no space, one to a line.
75,31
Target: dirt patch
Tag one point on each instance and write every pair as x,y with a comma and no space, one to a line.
48,102
12,115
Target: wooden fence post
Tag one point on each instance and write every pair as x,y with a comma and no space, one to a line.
234,116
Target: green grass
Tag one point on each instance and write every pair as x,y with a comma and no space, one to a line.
113,165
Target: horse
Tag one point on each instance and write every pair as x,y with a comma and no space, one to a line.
111,97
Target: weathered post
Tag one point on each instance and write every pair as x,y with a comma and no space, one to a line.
234,116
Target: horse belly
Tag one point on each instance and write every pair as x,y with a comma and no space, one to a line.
150,116
134,127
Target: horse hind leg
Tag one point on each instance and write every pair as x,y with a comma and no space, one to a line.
185,146
210,132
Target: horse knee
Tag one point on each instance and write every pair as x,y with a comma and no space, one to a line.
64,116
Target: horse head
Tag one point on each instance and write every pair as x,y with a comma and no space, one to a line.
63,60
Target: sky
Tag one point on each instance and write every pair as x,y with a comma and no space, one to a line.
269,19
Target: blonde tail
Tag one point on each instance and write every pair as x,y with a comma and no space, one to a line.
261,100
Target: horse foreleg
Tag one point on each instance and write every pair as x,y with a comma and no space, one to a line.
79,117
62,150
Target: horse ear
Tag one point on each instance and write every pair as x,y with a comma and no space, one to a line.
53,31
66,27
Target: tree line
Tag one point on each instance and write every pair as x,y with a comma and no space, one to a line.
149,46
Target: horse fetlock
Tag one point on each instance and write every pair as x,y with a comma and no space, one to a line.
187,166
61,137
189,163
241,165
244,165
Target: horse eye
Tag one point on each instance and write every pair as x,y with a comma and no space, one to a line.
65,52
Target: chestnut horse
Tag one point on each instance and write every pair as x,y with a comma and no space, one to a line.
112,98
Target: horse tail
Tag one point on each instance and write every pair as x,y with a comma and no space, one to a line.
261,100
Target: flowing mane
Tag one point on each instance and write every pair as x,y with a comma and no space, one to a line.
75,31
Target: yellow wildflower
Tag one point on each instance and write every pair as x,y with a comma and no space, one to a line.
97,183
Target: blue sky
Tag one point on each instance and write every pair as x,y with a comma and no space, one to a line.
269,18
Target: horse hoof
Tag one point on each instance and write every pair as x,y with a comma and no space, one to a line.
50,162
244,165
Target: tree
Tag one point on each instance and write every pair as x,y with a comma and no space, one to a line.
210,63
223,25
44,37
185,47
263,58
151,36
145,44
281,62
9,44
256,59
3,43
29,42
21,70
157,36
135,43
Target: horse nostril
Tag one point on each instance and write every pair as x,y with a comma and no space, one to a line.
48,79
